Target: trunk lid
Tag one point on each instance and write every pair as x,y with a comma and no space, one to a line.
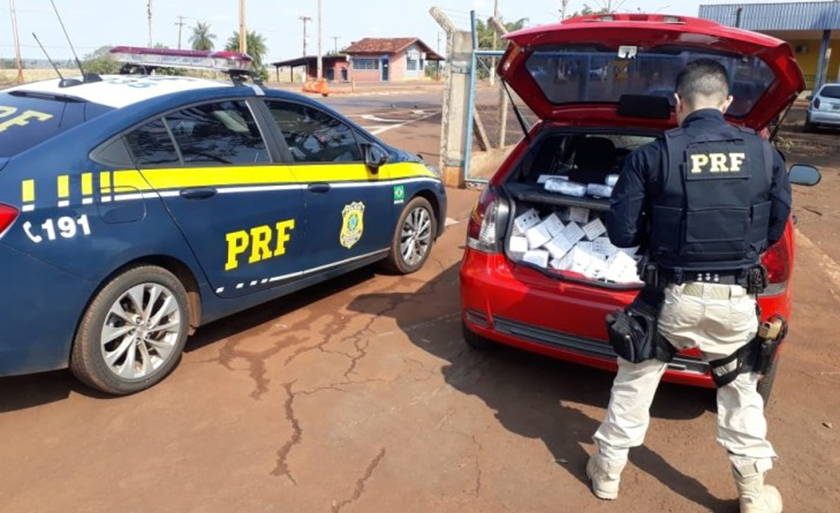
580,69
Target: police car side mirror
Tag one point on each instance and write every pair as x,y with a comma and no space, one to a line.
801,174
375,156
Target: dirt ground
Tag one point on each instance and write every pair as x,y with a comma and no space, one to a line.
360,396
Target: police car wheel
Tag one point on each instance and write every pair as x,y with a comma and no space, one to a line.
414,237
133,332
476,341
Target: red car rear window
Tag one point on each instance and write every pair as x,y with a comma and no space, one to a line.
569,75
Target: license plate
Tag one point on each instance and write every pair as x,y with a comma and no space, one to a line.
836,106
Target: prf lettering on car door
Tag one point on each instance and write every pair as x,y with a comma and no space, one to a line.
258,244
21,119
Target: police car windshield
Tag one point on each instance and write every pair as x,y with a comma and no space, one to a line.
27,120
591,74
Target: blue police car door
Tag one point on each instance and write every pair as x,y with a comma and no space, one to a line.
240,212
349,207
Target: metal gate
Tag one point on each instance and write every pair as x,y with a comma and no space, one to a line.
492,127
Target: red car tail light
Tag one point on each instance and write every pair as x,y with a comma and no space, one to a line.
7,217
486,228
778,264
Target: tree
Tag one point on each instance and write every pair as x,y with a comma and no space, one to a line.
257,49
485,32
100,62
201,38
601,7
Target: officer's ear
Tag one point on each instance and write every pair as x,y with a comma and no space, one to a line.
678,104
726,104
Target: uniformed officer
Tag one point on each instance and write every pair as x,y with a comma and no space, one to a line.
706,200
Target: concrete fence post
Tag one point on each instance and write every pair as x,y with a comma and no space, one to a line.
455,95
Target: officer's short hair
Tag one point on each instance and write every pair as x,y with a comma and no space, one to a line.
704,78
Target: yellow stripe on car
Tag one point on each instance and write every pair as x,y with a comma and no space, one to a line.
63,186
181,178
28,191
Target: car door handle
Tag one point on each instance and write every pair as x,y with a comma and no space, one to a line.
199,193
319,187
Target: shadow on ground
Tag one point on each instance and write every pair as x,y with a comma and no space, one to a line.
535,396
22,392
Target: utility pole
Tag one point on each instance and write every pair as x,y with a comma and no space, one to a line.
320,40
151,39
243,29
16,38
305,20
495,42
180,24
335,43
564,4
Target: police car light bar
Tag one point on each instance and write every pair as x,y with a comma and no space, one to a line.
186,59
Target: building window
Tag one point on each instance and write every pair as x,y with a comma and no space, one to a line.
414,60
365,64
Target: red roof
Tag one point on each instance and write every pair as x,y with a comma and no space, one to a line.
390,45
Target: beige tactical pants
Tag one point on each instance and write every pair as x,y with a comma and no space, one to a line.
719,320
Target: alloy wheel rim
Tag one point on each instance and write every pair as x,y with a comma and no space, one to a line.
140,331
416,236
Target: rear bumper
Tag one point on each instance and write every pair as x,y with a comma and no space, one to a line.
39,310
824,117
567,323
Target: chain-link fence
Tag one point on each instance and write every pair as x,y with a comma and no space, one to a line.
496,129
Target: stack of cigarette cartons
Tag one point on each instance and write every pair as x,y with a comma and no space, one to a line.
571,239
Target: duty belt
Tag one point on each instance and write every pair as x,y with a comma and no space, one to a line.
713,290
714,277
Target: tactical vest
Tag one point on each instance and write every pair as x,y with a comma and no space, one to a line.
713,211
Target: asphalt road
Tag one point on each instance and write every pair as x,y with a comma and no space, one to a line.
360,395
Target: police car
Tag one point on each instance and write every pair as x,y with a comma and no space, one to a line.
554,300
135,208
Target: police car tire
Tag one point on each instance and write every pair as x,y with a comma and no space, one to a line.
476,341
395,262
765,386
86,361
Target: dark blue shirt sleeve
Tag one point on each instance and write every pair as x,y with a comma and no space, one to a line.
781,199
625,220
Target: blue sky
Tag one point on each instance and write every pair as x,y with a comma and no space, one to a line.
93,23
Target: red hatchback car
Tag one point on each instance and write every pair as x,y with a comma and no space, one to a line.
602,86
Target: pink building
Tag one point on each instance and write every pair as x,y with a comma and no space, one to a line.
389,59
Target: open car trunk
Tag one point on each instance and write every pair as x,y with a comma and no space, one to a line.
559,194
583,69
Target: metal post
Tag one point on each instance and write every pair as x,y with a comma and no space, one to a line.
825,55
320,45
470,99
151,39
504,101
16,38
495,43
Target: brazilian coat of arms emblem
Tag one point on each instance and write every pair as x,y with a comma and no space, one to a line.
353,225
